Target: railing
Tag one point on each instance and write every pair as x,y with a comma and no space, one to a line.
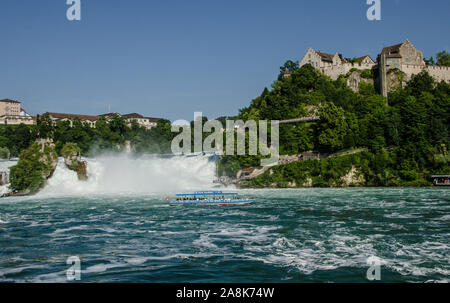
302,119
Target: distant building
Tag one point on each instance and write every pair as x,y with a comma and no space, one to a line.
404,58
286,73
11,113
336,65
90,120
395,66
146,122
322,61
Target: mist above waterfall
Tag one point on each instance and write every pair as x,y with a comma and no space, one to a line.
122,174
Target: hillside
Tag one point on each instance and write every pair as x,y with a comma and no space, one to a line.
406,134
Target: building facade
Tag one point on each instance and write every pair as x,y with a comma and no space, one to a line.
335,65
147,122
398,63
395,66
11,113
89,120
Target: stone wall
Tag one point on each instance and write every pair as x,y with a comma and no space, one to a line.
439,73
354,79
342,69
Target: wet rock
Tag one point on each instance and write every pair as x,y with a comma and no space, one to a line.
72,159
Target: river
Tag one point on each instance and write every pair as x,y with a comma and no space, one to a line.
292,235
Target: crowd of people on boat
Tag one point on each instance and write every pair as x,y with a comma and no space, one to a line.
194,198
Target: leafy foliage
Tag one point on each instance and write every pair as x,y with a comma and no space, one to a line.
407,134
70,150
107,135
33,168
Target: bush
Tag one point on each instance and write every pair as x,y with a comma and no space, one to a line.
33,168
70,150
408,175
4,153
367,74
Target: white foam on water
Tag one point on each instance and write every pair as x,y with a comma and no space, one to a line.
122,174
204,241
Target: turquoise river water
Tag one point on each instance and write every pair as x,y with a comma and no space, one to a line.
305,235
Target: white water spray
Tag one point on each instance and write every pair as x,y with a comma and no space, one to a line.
125,175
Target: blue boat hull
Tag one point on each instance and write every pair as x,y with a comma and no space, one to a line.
212,202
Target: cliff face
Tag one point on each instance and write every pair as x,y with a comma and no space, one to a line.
353,178
36,164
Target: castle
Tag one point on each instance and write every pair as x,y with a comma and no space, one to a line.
395,66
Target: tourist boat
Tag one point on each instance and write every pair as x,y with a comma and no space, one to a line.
210,198
441,180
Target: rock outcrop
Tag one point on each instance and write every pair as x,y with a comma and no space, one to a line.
353,178
36,165
72,159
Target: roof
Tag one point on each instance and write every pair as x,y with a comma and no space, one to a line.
133,115
73,116
392,48
10,101
393,51
364,57
325,57
108,115
138,116
329,57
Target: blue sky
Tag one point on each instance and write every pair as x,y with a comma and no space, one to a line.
171,58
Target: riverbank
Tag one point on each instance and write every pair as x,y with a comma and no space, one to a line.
347,169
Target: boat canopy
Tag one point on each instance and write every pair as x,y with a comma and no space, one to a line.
208,193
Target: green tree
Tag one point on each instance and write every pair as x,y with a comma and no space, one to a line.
443,58
333,127
4,153
290,66
45,126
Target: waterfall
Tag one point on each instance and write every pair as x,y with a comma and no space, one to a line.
123,174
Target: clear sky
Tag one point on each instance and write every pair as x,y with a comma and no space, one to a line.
171,58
